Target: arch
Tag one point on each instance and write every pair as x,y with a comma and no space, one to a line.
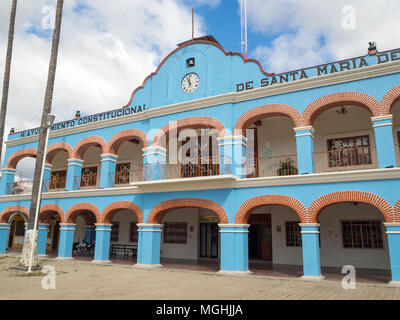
112,209
82,209
126,135
339,98
157,213
84,144
18,155
396,212
389,99
47,211
193,122
349,196
250,205
55,148
268,110
7,213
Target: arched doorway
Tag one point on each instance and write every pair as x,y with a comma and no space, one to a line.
16,237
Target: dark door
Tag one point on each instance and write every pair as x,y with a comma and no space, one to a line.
209,240
10,240
55,235
254,241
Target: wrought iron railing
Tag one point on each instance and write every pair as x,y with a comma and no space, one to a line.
189,169
25,187
270,166
346,158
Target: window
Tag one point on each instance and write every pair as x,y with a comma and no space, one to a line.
362,234
175,232
89,177
122,173
114,231
293,234
351,151
58,179
134,232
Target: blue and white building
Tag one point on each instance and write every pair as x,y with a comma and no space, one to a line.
299,168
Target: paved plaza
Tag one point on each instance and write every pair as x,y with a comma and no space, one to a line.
76,279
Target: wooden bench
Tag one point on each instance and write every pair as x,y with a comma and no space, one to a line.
124,249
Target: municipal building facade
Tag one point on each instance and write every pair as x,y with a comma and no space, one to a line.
215,159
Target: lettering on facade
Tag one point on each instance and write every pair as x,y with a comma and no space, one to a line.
88,119
318,71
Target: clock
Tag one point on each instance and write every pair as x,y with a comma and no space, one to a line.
190,82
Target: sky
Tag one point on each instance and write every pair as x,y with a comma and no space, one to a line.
107,48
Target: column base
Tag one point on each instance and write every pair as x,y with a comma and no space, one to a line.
101,261
147,266
234,273
312,278
394,284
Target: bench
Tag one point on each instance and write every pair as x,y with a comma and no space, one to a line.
124,249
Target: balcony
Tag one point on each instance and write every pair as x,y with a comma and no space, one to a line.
150,172
271,166
25,187
346,158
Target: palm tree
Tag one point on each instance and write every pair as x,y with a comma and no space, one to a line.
6,81
30,242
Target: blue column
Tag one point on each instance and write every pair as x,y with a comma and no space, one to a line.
108,167
46,177
232,151
149,245
42,239
67,231
7,181
154,160
234,248
393,235
311,257
74,173
4,229
305,149
102,246
384,141
90,234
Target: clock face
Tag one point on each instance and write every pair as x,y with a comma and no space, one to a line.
190,82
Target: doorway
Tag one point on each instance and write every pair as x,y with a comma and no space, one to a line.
260,237
209,240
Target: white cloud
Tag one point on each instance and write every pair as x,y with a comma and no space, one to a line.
106,51
305,32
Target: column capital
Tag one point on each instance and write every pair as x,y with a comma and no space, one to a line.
305,128
382,118
10,170
309,225
47,166
109,155
78,162
4,226
150,225
228,140
154,150
233,225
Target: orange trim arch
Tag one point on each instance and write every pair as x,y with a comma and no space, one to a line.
157,213
114,143
248,206
350,196
47,211
19,155
263,111
55,148
340,98
396,212
8,211
389,99
82,208
83,144
194,122
111,210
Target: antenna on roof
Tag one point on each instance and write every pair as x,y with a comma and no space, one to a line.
192,23
243,25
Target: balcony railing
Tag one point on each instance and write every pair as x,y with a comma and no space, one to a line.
346,158
151,172
270,166
25,187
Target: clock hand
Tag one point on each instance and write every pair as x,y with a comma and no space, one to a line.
189,81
